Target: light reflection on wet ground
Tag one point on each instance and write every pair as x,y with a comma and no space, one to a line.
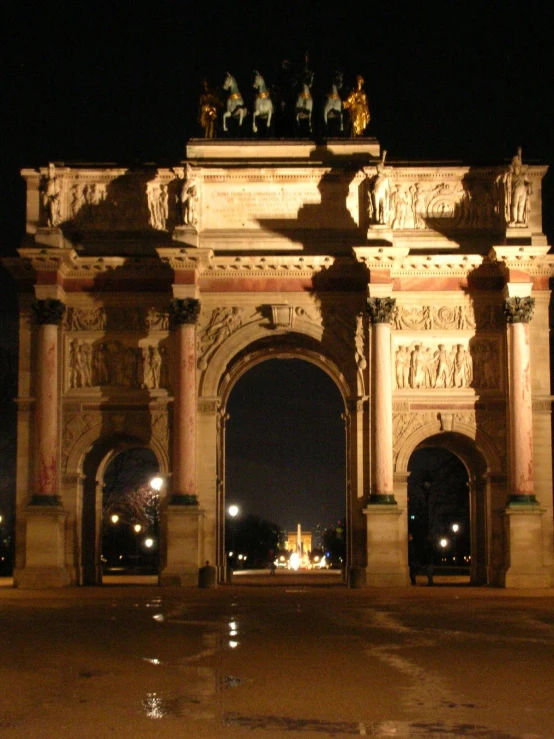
289,663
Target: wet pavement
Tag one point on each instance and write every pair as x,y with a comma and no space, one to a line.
291,660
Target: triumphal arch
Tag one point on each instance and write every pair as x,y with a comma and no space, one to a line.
422,290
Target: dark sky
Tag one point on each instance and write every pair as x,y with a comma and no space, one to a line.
285,442
119,81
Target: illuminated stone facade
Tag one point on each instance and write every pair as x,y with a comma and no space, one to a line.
422,290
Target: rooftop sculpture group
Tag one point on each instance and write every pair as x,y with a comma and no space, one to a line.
288,105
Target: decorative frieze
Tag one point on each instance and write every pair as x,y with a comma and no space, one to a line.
447,317
116,318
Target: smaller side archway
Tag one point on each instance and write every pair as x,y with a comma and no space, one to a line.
95,467
486,487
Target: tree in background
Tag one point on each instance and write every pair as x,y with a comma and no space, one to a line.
254,537
334,543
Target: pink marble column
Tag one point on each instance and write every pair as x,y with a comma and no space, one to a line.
48,314
380,312
519,312
184,314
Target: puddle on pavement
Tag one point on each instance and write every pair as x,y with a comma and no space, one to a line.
198,701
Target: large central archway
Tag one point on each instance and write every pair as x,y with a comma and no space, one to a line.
285,447
285,348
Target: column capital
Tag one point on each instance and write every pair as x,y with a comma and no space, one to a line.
48,312
184,311
519,310
381,310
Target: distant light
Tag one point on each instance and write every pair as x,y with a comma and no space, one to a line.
233,644
1,519
412,518
156,483
231,554
455,528
149,543
443,543
114,518
294,561
233,510
137,527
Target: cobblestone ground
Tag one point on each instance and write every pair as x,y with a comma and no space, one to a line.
286,661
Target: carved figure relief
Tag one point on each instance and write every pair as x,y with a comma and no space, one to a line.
380,190
158,205
222,324
447,366
112,364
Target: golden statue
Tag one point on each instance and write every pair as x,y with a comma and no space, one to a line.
207,111
356,104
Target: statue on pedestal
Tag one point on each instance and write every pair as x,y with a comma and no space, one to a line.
379,189
235,106
51,197
517,192
356,104
263,105
333,103
187,196
207,111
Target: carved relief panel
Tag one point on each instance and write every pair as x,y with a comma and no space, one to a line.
108,362
448,363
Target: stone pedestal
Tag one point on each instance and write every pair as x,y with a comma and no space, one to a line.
44,552
183,533
525,546
386,556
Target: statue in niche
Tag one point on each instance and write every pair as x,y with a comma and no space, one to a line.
356,104
73,351
518,190
51,197
187,196
402,367
207,110
155,360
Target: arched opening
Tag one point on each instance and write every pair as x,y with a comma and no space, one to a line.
120,517
450,483
285,466
439,529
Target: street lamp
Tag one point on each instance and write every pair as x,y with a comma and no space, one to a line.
156,483
455,529
233,511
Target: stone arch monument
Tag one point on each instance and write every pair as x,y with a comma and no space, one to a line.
430,315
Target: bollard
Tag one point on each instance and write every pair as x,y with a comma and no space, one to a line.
206,576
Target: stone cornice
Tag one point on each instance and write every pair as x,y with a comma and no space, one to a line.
534,260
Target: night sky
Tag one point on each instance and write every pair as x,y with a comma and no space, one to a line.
119,82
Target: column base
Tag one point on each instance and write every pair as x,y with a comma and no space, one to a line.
37,578
386,553
525,546
183,557
44,547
